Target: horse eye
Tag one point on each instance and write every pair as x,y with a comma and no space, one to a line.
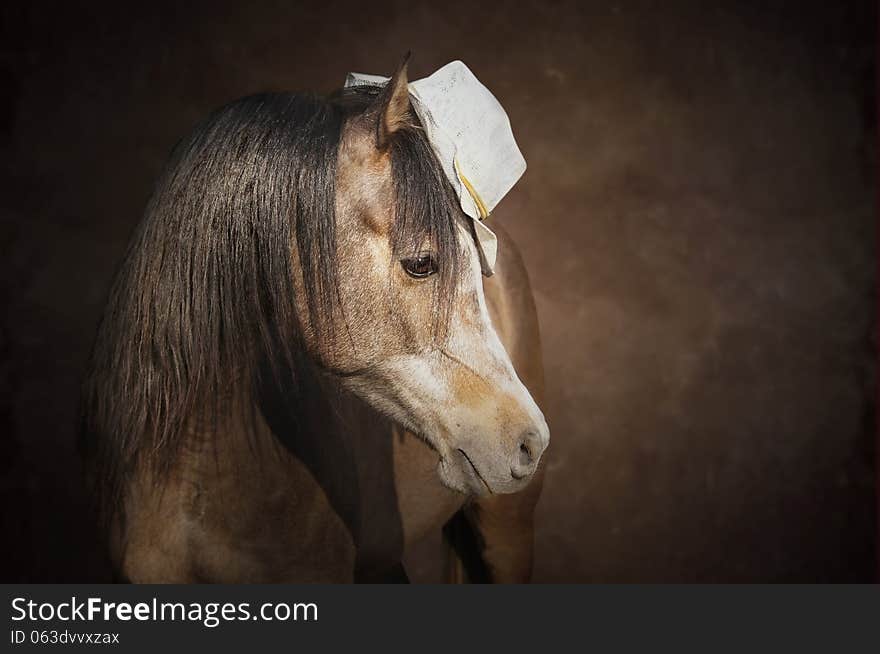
420,266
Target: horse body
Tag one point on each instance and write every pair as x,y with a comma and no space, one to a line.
253,405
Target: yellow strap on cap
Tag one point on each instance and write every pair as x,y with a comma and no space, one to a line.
481,207
485,268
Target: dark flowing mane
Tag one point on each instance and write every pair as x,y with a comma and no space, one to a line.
205,295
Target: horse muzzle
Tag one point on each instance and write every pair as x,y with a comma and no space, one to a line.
485,466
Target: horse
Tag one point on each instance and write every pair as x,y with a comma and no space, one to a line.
301,372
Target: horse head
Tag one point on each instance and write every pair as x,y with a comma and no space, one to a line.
407,328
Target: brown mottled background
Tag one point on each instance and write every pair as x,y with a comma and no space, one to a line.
697,217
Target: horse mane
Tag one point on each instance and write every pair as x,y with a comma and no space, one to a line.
204,298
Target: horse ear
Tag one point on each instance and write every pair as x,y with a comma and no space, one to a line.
393,105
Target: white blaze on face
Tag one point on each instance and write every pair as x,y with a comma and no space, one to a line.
465,398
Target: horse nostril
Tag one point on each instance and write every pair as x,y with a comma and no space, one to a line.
526,455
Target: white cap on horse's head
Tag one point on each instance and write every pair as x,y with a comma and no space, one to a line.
471,136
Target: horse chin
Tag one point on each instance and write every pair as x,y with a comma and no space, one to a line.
455,477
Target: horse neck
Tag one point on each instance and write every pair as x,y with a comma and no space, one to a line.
320,440
307,417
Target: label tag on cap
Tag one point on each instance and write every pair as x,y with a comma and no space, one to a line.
470,133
